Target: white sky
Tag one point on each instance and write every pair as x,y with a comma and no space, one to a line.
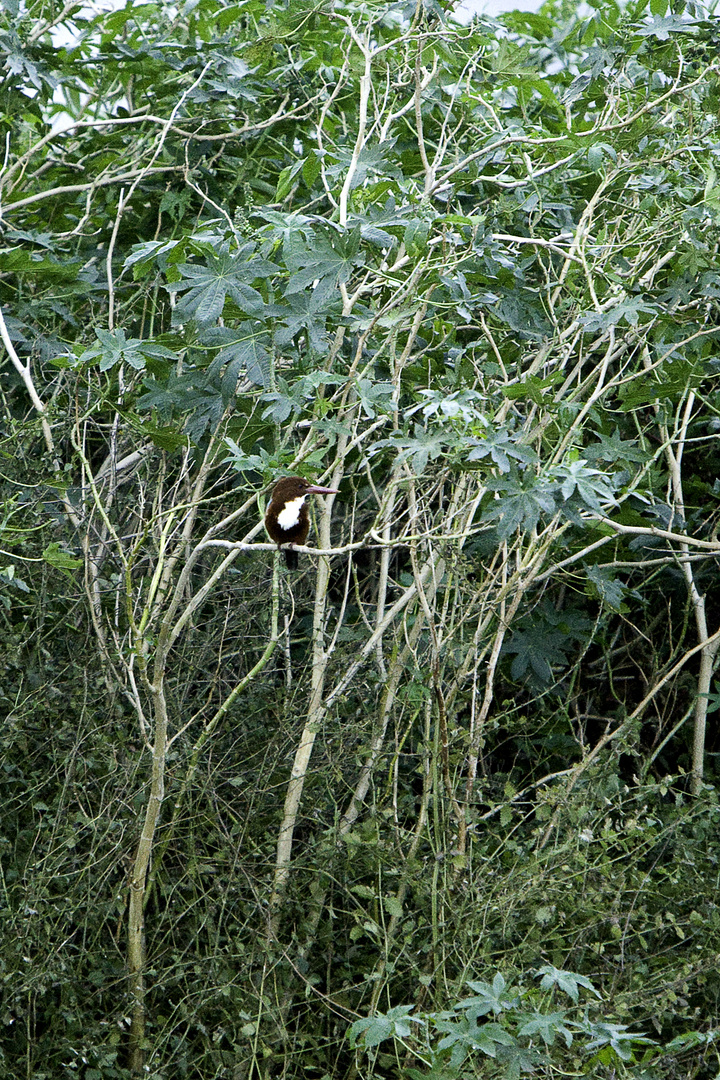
464,7
495,7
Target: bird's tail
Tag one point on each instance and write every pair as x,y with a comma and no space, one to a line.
291,558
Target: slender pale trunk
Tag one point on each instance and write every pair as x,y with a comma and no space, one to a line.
312,723
709,647
707,666
143,853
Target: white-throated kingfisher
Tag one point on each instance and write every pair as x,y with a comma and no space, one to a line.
287,520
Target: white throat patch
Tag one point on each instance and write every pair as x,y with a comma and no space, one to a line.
289,516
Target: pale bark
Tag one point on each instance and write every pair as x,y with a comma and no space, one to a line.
313,720
143,853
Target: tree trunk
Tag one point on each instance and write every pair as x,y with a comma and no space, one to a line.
136,920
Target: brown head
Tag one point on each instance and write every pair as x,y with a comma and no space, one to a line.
294,487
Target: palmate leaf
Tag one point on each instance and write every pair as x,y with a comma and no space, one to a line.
374,1030
537,649
61,560
424,447
464,1035
113,347
327,258
522,502
149,251
517,1060
674,378
245,350
286,227
207,286
608,588
500,446
207,413
532,388
374,160
590,486
629,309
18,62
375,397
376,221
662,26
8,581
713,700
294,397
546,641
548,1026
305,311
616,450
614,1037
566,981
493,997
524,318
281,406
193,393
462,405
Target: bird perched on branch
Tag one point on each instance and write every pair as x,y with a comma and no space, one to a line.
286,519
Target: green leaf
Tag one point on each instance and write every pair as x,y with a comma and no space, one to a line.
61,560
285,180
420,450
330,259
245,350
206,287
210,286
416,237
9,578
532,388
567,981
501,447
395,1023
617,451
607,587
306,313
616,1037
311,168
166,437
592,487
548,1026
713,700
663,25
628,309
375,397
371,1032
150,251
492,997
536,650
113,347
522,502
393,906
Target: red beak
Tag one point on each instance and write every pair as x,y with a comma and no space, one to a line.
315,490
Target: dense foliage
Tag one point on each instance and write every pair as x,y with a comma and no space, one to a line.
442,802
